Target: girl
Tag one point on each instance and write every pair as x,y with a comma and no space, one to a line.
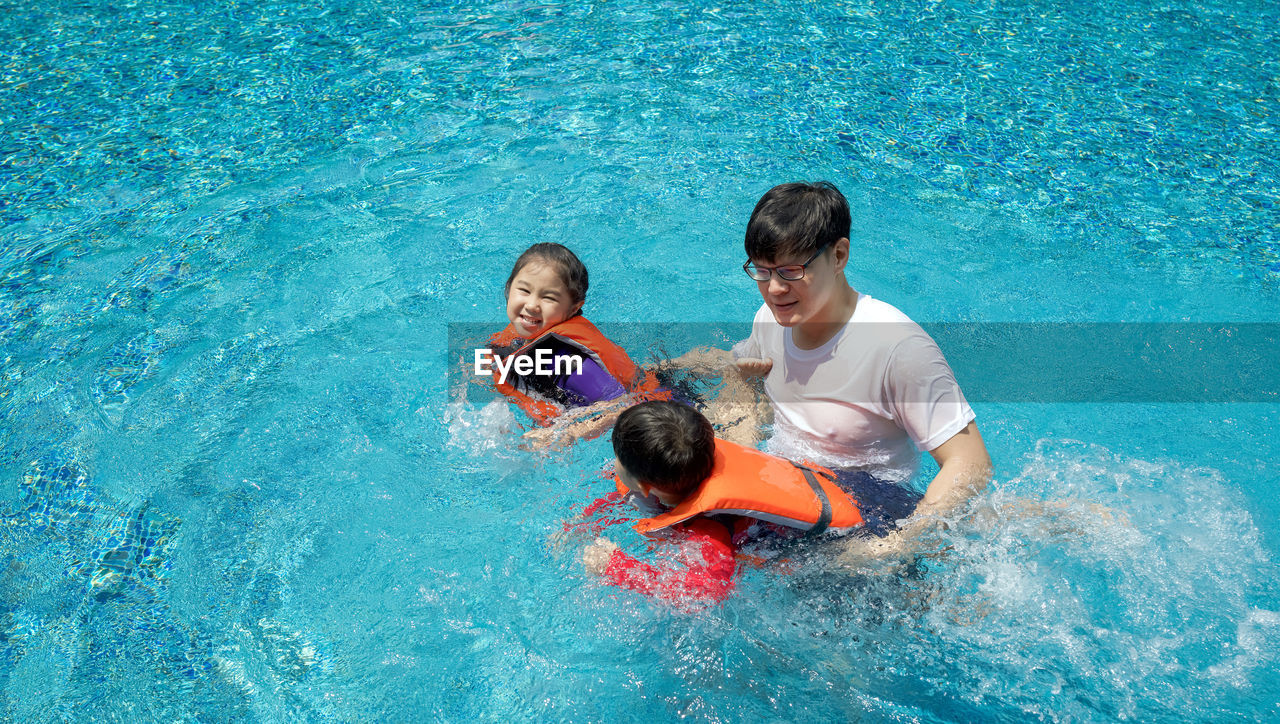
570,363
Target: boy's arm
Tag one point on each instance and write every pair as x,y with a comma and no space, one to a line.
701,570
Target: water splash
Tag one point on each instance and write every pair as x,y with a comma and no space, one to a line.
1091,585
490,429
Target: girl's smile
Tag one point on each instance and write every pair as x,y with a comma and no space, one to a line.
538,300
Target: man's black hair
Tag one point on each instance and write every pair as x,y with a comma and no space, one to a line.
665,444
796,220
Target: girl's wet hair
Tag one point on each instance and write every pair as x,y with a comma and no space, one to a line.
573,273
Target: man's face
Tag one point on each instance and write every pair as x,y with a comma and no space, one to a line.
803,300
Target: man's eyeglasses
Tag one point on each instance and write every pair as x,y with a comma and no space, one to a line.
789,272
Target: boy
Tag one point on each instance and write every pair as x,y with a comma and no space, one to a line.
707,495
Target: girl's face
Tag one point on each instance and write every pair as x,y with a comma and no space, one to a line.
538,299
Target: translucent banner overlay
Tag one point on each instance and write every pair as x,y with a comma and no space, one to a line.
1003,362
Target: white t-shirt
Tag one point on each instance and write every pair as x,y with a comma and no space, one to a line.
860,400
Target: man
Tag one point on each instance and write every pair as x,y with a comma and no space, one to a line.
851,381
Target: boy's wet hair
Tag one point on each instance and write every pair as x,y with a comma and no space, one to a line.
665,444
571,270
794,220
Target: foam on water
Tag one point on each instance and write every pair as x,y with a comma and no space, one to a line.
485,433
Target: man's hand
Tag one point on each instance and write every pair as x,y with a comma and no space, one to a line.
595,557
916,536
753,366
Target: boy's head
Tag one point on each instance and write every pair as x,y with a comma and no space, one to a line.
795,220
665,445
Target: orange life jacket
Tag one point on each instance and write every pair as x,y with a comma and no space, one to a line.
581,335
747,482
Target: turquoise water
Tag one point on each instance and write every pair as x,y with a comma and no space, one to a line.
234,235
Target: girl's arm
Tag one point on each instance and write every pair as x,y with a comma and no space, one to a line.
581,422
607,397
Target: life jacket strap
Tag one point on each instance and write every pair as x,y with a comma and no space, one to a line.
824,518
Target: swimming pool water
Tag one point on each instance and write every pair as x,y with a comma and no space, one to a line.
237,486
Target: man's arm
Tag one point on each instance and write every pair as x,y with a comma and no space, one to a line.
709,360
700,360
739,410
923,395
964,470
